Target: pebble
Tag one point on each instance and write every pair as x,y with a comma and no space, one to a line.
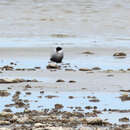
6,114
3,128
37,125
84,69
120,54
4,122
4,93
53,66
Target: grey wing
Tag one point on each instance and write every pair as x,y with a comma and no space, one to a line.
57,57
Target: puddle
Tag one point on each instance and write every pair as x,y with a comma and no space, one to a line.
106,100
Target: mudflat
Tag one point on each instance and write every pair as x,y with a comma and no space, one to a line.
86,97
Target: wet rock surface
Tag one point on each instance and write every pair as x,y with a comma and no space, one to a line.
125,119
125,97
52,66
88,53
120,55
84,69
17,80
4,93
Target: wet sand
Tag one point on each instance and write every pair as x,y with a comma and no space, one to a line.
98,94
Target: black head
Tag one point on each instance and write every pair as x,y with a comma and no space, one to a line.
58,49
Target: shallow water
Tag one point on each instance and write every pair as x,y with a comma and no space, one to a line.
104,62
64,42
81,22
107,100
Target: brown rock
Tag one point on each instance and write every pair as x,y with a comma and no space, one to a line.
4,128
125,97
125,119
94,121
60,80
4,93
6,114
4,122
96,68
58,106
88,52
94,100
72,81
28,86
125,90
7,67
120,54
37,125
50,96
84,69
53,66
70,97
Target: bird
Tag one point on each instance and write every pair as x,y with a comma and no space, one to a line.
58,55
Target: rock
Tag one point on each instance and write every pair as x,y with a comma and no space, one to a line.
60,80
4,122
84,128
94,100
58,106
118,128
62,35
72,81
39,129
7,67
37,125
125,119
6,80
14,118
50,96
88,107
121,70
53,66
94,121
37,67
109,71
58,128
96,68
11,80
3,128
19,104
28,93
70,70
124,97
41,92
4,93
6,114
28,86
125,90
120,55
12,63
84,69
71,97
110,75
23,120
88,52
7,110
